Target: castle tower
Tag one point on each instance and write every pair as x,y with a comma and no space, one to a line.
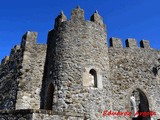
20,80
76,64
76,76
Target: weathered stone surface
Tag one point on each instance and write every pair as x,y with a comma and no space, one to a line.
116,42
57,76
145,44
130,42
31,114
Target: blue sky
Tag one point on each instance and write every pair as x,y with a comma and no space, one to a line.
139,19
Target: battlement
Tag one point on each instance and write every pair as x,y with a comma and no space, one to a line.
14,50
116,42
77,72
5,60
60,18
12,56
29,38
144,44
77,16
97,18
129,43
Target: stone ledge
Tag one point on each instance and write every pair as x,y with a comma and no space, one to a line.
31,111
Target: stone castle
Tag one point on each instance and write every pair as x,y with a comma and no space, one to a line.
77,76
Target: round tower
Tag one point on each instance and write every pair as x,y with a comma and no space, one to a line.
77,65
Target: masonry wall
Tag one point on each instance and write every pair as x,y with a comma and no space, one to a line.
30,114
133,68
56,76
9,73
16,115
75,46
21,75
30,81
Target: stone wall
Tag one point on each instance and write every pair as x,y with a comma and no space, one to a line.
9,73
16,115
73,47
30,81
57,76
21,74
30,114
132,68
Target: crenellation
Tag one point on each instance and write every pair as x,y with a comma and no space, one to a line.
17,47
5,60
14,53
97,18
145,44
60,18
77,75
131,43
29,38
33,60
77,15
116,42
14,50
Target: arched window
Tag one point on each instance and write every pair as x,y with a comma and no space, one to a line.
93,78
49,97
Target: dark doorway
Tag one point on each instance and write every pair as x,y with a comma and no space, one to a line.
49,98
139,103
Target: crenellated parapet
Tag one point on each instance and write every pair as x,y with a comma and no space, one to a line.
14,51
77,14
60,18
97,18
129,43
77,17
77,74
12,57
20,70
144,44
116,42
5,60
29,38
